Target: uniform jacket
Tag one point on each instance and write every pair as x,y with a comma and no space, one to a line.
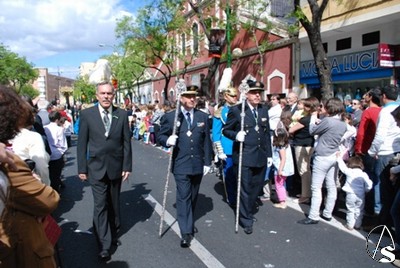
23,242
193,150
257,144
98,153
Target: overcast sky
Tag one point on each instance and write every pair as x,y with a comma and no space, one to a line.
60,34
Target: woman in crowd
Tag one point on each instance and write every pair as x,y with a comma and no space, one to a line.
25,200
330,131
303,143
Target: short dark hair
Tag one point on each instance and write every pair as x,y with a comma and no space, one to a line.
375,94
391,92
54,116
334,106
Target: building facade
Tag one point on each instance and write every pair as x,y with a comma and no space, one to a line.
278,61
352,33
49,86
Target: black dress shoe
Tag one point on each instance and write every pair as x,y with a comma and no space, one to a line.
326,218
104,255
248,229
185,241
117,242
307,221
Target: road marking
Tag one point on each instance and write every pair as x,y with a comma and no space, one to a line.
334,222
204,255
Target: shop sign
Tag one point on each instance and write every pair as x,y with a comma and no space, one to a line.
389,55
344,64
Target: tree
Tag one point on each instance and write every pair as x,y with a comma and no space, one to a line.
313,29
29,90
15,70
84,91
150,37
257,20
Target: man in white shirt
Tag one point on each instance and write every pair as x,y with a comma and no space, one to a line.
58,145
384,147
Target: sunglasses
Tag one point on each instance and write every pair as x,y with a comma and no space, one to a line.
354,103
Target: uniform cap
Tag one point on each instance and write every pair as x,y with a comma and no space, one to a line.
255,85
190,90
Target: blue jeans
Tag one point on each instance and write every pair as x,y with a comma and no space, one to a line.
385,187
135,133
372,198
380,165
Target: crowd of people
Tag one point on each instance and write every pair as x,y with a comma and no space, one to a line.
307,148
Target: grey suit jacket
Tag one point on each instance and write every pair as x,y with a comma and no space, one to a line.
98,154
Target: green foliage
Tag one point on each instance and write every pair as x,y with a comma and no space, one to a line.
149,40
29,90
15,70
84,91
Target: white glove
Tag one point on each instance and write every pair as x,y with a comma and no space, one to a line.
269,161
222,156
172,140
240,136
206,169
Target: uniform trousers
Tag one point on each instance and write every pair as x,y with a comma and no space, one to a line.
187,189
106,214
252,182
230,180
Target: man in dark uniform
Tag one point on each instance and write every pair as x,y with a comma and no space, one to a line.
191,158
257,150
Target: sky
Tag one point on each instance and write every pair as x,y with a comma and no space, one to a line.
61,34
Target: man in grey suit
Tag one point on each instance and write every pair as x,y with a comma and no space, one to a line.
105,160
191,157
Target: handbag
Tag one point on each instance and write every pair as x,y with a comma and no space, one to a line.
51,229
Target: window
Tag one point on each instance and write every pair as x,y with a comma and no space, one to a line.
325,45
343,44
371,38
183,37
195,32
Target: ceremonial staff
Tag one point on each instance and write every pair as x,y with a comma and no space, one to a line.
179,88
243,88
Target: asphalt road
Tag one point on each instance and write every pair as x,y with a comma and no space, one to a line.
277,240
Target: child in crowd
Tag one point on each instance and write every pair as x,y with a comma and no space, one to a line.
282,161
357,184
299,113
135,126
349,137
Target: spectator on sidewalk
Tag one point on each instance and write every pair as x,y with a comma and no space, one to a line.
58,145
330,131
24,200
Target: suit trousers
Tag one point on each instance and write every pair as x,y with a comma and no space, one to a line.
106,213
252,183
55,171
187,189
